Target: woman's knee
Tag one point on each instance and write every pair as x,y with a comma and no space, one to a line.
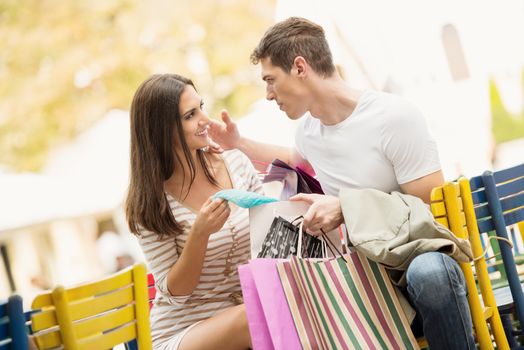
241,323
226,330
241,316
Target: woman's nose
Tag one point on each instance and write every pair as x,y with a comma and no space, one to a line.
204,120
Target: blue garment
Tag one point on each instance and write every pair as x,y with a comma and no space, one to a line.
244,199
437,289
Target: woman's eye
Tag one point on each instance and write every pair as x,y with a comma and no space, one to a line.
188,116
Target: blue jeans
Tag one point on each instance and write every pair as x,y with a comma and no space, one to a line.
437,290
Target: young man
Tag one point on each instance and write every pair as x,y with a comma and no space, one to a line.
358,139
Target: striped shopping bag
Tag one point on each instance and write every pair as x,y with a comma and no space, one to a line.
344,304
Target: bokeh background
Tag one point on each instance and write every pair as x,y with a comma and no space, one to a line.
68,71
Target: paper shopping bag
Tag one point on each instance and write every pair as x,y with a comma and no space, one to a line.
337,304
295,180
270,322
260,338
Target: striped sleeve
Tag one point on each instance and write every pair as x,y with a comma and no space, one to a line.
161,254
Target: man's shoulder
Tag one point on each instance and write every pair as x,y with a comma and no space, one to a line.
386,98
395,108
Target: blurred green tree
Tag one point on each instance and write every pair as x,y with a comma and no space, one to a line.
64,64
506,126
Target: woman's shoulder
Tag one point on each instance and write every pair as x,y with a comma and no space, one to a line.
235,156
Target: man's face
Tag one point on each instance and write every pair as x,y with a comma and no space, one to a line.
287,89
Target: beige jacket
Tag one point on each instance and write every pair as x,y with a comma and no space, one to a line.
393,229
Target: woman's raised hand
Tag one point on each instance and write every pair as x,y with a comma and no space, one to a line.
212,216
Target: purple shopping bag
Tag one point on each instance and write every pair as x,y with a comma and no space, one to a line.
270,322
296,180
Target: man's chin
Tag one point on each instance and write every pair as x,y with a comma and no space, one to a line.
294,116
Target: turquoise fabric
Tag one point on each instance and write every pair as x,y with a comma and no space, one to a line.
244,199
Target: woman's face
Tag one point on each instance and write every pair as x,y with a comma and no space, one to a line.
195,121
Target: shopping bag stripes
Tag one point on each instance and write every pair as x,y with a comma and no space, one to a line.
344,305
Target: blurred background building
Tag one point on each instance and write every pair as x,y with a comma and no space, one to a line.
68,71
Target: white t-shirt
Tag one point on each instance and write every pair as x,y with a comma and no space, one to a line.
383,143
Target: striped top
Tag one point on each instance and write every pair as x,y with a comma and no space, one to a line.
226,250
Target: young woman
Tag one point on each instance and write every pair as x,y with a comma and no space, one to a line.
193,244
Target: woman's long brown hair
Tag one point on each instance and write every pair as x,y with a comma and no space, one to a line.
155,126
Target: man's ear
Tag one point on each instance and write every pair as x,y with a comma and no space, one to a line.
300,66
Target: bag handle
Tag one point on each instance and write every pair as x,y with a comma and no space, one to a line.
300,236
325,239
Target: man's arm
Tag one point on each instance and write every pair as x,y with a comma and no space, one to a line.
261,154
325,211
227,136
422,187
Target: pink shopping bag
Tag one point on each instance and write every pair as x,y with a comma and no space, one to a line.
270,322
260,338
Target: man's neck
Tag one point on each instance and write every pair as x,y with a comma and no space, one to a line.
334,100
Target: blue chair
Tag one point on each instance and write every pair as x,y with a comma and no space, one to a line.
498,198
13,331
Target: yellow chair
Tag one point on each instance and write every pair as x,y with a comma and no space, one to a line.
97,315
521,229
452,206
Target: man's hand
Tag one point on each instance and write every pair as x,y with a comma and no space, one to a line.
324,213
224,136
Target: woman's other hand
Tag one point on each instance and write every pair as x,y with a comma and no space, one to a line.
212,216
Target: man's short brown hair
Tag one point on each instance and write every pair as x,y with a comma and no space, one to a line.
293,37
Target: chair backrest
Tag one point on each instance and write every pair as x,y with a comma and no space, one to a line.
505,207
499,198
446,207
452,207
499,201
13,331
151,293
96,315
